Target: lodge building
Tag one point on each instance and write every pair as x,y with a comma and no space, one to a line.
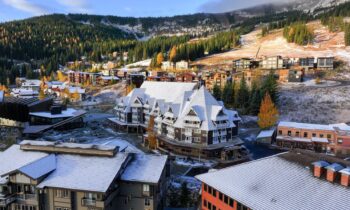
38,175
188,121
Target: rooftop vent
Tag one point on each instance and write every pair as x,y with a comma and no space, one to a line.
69,148
332,172
319,168
345,177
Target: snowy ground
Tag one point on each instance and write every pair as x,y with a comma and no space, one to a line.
310,104
97,133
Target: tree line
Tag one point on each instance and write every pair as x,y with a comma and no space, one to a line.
247,100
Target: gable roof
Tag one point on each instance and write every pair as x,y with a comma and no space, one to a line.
14,158
277,183
40,167
168,91
145,168
86,173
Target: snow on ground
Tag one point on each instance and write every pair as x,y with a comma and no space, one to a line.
312,83
308,104
144,63
193,163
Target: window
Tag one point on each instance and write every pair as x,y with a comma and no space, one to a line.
280,132
147,202
221,196
314,135
305,134
231,202
205,204
146,189
214,193
62,193
205,188
340,141
289,133
321,135
226,199
61,208
297,133
329,136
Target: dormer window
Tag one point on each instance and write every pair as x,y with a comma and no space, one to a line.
192,113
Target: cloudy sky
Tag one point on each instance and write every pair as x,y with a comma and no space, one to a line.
19,9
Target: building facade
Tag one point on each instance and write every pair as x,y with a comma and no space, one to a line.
332,138
187,120
66,176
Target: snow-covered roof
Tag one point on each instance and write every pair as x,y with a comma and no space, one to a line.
30,83
331,127
335,167
70,112
13,159
345,171
321,163
109,78
40,167
278,183
266,134
87,173
305,126
145,168
76,89
168,91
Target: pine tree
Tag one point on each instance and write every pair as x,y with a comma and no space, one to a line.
228,95
217,92
243,95
254,100
185,199
268,114
270,86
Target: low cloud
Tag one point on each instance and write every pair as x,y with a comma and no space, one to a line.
75,6
26,6
216,6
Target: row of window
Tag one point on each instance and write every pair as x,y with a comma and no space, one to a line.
305,134
222,197
61,208
209,205
24,207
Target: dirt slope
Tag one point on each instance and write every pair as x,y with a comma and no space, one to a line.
325,44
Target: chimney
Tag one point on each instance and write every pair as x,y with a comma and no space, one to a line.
332,171
345,177
319,168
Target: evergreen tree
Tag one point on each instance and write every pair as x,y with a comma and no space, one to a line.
217,92
185,199
255,100
228,95
270,86
243,95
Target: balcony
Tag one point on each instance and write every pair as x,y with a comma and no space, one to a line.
192,125
6,200
88,202
25,197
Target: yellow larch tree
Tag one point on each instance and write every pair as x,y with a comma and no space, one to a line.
268,114
172,54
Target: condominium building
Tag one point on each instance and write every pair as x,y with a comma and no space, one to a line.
292,180
187,120
38,175
333,138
